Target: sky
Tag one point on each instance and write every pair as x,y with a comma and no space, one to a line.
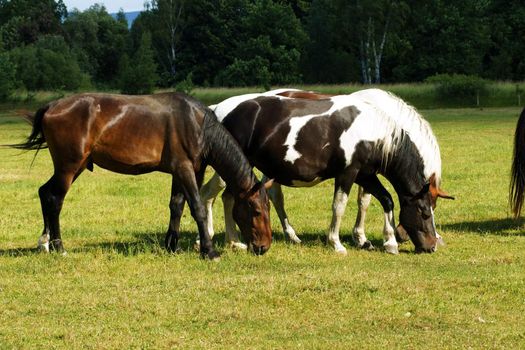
112,6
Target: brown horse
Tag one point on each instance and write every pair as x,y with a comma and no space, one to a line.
168,132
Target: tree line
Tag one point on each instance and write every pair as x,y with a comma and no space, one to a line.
44,45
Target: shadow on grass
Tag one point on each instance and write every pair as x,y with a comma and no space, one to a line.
144,242
501,227
319,239
15,252
153,242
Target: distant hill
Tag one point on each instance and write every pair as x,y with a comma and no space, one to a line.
130,16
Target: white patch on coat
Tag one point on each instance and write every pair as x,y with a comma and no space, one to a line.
225,107
371,125
412,123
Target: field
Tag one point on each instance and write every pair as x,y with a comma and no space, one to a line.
117,288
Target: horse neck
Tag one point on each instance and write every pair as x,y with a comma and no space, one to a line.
224,154
405,168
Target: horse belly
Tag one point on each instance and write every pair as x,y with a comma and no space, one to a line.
132,152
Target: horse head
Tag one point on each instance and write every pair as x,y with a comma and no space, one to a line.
435,193
252,215
416,217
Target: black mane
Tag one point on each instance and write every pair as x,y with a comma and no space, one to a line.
224,154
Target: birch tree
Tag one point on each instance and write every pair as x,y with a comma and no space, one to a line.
373,33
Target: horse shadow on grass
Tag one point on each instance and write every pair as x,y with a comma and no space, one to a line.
153,242
499,227
141,242
319,238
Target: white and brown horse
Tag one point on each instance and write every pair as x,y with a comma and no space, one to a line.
168,132
387,106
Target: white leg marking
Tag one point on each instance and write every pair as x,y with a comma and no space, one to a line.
43,243
440,241
338,209
276,196
389,237
232,236
363,201
208,193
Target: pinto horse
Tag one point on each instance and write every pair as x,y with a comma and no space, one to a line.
167,132
321,114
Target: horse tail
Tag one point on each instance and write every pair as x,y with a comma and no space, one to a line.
36,140
517,181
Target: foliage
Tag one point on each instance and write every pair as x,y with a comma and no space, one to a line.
186,86
458,86
24,21
138,75
7,76
98,40
279,42
48,64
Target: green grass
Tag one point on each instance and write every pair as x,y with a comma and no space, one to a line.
117,288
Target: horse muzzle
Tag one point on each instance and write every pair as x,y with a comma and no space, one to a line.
259,249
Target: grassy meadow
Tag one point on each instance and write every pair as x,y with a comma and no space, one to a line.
117,288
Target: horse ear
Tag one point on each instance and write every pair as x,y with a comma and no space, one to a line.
268,184
436,191
444,195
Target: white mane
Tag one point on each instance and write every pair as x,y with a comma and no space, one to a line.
408,119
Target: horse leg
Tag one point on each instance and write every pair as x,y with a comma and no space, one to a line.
372,185
276,196
209,193
176,208
343,184
189,185
232,238
52,195
359,236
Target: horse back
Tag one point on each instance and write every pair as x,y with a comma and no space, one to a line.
126,134
296,141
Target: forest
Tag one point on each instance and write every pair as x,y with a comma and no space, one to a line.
180,43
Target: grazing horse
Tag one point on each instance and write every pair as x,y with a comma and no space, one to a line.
168,132
517,180
302,141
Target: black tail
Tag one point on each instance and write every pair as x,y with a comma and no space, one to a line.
517,181
36,139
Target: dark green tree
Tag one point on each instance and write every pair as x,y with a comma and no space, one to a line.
504,58
444,36
24,21
138,75
98,40
267,47
48,64
7,76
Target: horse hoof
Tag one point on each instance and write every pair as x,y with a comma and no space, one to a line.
391,249
235,246
294,239
56,246
341,251
171,242
43,243
211,255
368,246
